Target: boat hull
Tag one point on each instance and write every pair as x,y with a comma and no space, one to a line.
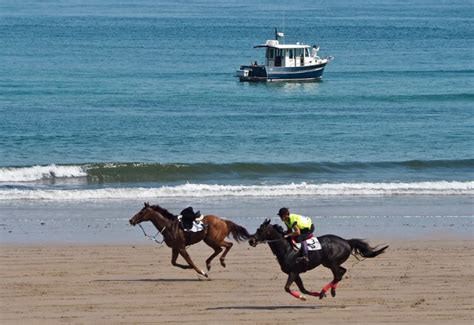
269,74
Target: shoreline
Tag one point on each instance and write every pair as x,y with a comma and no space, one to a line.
106,222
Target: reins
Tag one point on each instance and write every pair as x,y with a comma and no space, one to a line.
154,237
271,240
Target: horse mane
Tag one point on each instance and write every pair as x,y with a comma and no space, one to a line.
165,213
279,229
276,227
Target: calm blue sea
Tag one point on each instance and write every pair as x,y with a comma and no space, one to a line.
106,100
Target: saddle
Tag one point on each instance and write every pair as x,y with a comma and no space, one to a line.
312,242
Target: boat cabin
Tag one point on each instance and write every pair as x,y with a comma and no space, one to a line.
288,55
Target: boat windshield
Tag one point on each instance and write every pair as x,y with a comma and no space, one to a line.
270,53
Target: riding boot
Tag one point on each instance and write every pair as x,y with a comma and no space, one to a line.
304,249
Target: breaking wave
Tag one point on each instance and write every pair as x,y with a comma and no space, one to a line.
207,190
203,172
35,173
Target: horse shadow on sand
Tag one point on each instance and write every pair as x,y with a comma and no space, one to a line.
272,307
151,280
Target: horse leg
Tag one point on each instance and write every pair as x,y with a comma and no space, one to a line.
227,246
186,256
340,271
174,257
217,246
337,271
299,283
217,250
291,278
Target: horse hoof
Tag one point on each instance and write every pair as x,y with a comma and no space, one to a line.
333,292
322,295
208,267
223,263
203,277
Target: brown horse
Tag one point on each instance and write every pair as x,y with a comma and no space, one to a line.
214,233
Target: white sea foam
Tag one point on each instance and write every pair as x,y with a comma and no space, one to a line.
35,173
204,190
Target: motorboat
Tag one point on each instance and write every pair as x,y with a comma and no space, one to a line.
285,62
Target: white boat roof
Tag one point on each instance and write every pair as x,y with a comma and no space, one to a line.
275,44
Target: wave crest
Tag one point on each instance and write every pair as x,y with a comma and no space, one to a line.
35,173
206,172
207,190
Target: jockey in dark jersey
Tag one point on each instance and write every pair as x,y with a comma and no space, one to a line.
188,217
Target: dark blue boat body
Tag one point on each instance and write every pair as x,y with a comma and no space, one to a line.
263,73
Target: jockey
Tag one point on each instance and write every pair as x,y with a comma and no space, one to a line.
188,217
299,228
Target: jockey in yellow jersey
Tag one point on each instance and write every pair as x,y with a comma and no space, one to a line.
299,227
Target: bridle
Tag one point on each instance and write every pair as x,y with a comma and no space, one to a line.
268,241
154,237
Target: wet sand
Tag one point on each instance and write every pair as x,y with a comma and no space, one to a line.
413,282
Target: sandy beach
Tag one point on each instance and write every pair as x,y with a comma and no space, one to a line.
107,105
414,282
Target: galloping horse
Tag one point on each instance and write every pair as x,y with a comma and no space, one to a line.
335,251
214,233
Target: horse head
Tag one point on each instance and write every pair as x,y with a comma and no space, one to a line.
266,231
143,215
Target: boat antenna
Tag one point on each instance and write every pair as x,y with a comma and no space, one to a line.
284,20
279,36
283,29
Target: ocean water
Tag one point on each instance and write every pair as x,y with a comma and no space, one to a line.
103,103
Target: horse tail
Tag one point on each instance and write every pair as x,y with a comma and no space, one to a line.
238,232
363,249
